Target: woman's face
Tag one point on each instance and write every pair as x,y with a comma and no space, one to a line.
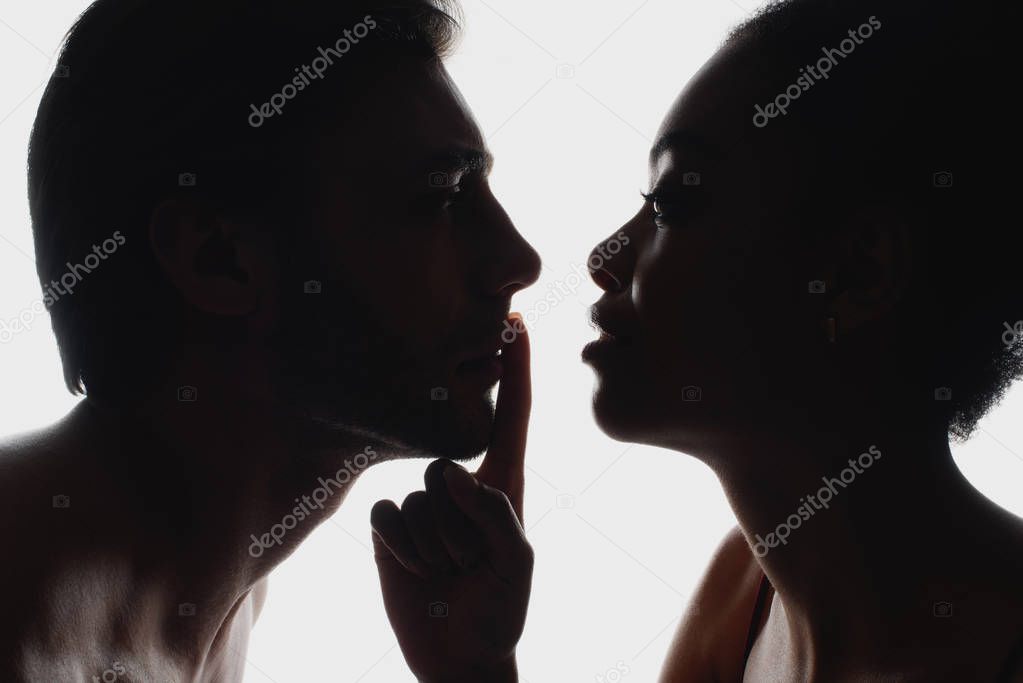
705,289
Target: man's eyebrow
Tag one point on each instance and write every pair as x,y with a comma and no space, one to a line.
460,160
683,139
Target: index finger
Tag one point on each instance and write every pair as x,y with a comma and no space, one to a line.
505,462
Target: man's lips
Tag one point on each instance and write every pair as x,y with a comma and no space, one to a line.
481,362
487,365
488,349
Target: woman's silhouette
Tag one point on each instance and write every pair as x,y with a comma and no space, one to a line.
813,297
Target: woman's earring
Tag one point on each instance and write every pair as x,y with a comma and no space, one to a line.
831,328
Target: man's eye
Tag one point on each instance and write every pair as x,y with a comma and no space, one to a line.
445,198
452,196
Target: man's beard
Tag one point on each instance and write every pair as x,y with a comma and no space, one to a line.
341,374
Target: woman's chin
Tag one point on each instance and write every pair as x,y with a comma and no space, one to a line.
643,418
620,415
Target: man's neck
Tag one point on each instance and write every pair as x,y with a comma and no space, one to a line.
220,492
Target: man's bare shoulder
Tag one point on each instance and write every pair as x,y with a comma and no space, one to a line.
60,589
35,469
31,523
709,642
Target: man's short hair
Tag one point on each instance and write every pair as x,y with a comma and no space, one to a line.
212,99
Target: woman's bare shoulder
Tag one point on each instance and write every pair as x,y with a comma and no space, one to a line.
711,638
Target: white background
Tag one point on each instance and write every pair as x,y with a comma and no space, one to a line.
570,94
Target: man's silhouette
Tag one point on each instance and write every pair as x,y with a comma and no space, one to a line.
288,266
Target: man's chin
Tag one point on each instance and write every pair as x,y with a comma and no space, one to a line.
455,430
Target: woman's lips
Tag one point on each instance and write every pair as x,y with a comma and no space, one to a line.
604,346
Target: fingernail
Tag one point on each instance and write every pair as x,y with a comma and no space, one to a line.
459,480
513,327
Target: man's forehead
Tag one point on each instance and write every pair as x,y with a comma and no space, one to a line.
415,119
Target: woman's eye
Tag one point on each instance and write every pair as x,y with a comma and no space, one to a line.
665,211
675,209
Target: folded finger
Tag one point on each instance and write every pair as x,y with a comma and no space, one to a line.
464,542
491,512
391,539
422,527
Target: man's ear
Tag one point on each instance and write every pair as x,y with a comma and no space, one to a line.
871,264
220,267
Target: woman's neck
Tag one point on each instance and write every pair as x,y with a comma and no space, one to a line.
859,535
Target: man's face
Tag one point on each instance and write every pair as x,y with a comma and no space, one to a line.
417,262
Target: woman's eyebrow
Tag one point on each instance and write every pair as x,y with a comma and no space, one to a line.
685,140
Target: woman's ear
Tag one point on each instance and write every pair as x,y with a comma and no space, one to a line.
871,266
220,267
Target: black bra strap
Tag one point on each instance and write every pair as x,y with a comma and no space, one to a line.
758,611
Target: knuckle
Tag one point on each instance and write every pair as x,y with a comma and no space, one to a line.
414,501
493,498
527,554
